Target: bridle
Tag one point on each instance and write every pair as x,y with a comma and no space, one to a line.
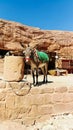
27,58
31,54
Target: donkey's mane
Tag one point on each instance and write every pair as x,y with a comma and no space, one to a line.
34,56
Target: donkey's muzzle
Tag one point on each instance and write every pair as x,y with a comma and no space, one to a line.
27,59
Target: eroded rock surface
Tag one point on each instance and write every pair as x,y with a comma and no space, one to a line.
15,36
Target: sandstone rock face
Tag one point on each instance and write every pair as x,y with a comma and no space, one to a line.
13,68
15,36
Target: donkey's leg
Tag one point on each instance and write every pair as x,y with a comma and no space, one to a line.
33,77
46,71
45,75
43,70
46,80
36,76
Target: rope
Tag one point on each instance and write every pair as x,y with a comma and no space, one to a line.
18,92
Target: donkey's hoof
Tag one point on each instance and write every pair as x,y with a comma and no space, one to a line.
46,81
34,84
43,82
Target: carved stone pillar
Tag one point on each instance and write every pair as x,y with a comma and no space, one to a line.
13,68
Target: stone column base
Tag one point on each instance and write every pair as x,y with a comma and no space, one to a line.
13,68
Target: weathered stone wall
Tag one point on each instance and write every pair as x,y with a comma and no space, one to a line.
1,65
21,103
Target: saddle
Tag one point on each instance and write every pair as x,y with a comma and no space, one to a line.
42,56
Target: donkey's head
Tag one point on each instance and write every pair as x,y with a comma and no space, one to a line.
27,53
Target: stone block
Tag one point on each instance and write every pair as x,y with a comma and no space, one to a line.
10,101
61,89
42,90
48,98
36,90
2,95
68,97
45,109
18,88
57,97
2,84
34,111
69,107
48,89
28,121
1,65
13,68
38,99
60,108
10,114
2,111
70,89
43,118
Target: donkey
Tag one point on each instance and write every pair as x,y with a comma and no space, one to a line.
37,59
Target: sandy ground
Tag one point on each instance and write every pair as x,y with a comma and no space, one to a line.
66,80
60,122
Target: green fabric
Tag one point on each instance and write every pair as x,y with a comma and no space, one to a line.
42,56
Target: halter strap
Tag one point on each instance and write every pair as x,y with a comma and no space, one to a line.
27,59
35,53
36,57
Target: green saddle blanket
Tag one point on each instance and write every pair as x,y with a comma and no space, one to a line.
43,56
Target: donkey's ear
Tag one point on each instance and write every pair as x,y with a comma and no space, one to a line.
27,45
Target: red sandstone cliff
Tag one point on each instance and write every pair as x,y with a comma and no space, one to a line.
15,36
